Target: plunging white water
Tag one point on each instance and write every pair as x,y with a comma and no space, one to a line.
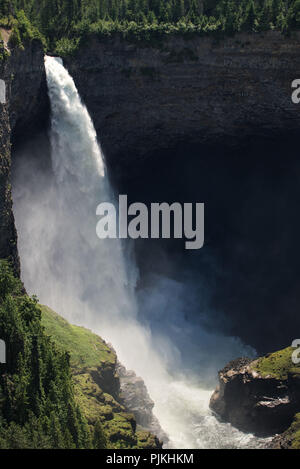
92,282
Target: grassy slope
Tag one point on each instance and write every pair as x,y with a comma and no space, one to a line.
86,349
89,356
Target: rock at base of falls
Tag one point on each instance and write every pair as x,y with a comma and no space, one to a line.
257,401
136,399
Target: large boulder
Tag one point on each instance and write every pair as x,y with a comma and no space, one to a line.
261,396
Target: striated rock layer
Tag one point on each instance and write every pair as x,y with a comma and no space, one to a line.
146,98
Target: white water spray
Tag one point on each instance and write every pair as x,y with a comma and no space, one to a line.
92,282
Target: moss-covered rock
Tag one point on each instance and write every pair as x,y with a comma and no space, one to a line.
289,439
294,433
97,385
260,396
278,365
146,440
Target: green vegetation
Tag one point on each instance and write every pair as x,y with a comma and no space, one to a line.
86,349
293,433
59,387
37,404
278,364
21,29
290,439
63,24
96,385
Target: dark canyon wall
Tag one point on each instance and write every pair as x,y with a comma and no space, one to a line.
231,101
147,100
25,109
198,91
144,99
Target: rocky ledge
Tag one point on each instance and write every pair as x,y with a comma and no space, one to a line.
261,396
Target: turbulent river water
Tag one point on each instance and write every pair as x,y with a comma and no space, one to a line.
91,282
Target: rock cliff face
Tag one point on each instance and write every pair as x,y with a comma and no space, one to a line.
144,99
28,102
136,399
26,108
148,101
290,439
255,400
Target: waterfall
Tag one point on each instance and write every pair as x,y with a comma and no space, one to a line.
92,282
